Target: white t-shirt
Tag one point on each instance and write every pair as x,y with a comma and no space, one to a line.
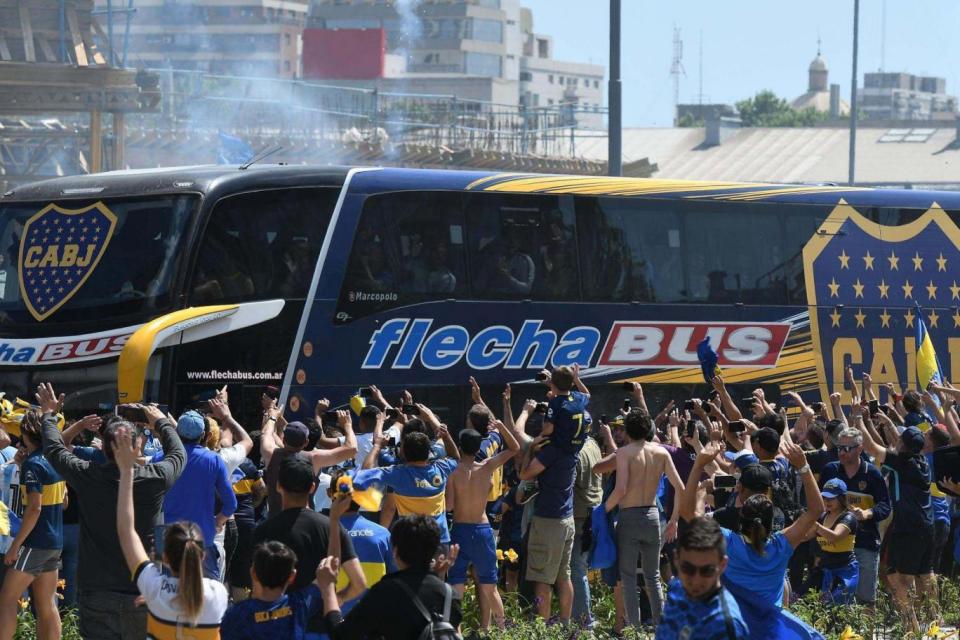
164,619
365,443
233,457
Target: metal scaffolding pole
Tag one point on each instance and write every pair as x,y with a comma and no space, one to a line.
615,122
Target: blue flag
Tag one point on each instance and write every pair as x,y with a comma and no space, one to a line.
233,150
708,360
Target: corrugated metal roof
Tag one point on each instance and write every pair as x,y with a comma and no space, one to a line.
787,155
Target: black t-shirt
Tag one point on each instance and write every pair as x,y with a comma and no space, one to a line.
821,458
910,490
386,611
308,534
840,553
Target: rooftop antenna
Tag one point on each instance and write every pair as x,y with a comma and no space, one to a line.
700,73
883,36
677,70
260,156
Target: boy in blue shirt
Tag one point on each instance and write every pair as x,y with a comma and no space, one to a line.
698,606
566,422
270,612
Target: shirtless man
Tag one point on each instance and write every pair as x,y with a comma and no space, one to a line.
640,465
467,491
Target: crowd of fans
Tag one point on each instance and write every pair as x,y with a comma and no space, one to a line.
707,518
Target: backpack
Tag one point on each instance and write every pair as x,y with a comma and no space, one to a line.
785,492
437,627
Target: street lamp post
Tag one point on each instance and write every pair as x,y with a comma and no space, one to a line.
615,122
853,95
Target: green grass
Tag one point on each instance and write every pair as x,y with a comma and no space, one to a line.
830,620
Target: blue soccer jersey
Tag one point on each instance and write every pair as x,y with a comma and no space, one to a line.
371,542
38,476
568,414
418,490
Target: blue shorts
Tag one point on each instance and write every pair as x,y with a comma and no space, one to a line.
477,547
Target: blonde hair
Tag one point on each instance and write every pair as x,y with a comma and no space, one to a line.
213,435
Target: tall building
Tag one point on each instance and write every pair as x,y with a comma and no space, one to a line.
474,49
904,96
232,37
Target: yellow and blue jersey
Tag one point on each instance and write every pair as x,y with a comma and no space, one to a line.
38,476
371,542
491,445
417,490
569,416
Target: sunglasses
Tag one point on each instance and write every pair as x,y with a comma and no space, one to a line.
705,571
847,448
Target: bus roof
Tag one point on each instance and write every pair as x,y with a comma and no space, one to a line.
217,179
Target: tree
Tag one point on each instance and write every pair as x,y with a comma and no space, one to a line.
767,110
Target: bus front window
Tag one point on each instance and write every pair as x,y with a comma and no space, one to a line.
60,261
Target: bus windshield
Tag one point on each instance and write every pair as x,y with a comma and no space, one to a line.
60,260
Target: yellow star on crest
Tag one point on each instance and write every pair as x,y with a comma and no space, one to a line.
857,289
844,260
955,291
860,316
884,287
868,261
941,263
894,261
834,288
907,290
885,319
917,262
931,291
956,319
933,317
909,317
835,318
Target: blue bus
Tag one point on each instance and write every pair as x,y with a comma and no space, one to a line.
321,280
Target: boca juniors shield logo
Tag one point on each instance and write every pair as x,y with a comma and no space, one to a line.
59,250
866,285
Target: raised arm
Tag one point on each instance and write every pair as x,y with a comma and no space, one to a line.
838,408
797,532
91,423
221,411
581,387
329,457
638,397
687,499
730,409
67,465
475,392
623,482
126,450
508,409
453,451
174,455
268,431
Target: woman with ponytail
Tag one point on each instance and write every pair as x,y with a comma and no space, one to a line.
758,556
184,598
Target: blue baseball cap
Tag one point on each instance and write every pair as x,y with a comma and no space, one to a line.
744,458
191,426
834,488
296,434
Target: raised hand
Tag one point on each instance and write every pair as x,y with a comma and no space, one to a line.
219,408
126,450
47,398
795,455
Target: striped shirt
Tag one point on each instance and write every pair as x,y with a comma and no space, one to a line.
38,476
165,620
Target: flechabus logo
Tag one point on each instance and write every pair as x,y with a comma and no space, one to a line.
641,345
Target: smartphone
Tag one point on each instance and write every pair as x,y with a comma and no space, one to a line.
749,401
627,386
410,410
540,408
392,414
724,482
541,377
626,404
392,442
329,418
691,429
131,413
604,418
886,408
874,406
816,406
688,405
366,392
737,426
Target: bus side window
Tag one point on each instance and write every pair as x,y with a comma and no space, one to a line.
522,246
409,247
262,245
630,250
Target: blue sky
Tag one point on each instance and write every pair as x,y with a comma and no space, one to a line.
749,45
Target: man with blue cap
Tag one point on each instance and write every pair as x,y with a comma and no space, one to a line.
910,549
191,498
